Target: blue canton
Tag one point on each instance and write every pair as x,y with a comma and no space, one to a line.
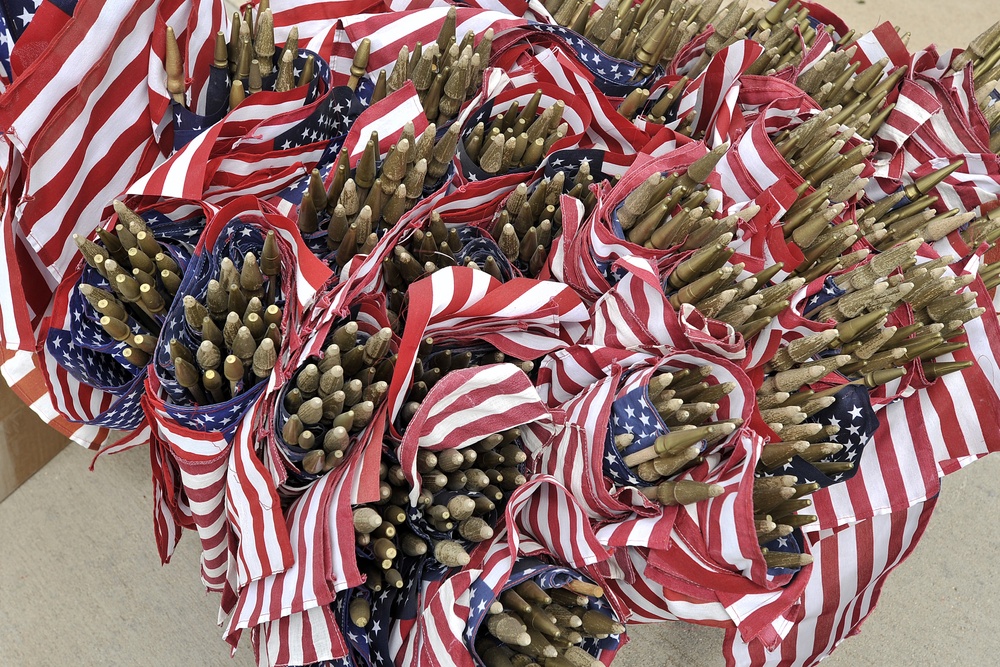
612,76
88,353
633,413
788,544
827,293
858,421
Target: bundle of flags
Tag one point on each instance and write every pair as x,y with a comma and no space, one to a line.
469,335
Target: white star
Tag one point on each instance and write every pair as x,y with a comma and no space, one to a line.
783,541
834,422
855,413
26,17
376,626
855,430
644,418
610,458
630,411
285,146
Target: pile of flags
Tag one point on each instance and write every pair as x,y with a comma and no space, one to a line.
471,334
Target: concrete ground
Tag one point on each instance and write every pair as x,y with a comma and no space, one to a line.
80,582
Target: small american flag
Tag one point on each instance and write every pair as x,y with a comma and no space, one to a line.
612,76
632,413
852,412
82,354
546,576
523,318
843,590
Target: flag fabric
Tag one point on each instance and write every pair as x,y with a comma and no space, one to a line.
85,360
850,567
523,318
565,349
711,98
46,196
499,564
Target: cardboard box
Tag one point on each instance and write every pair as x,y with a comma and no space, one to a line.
26,442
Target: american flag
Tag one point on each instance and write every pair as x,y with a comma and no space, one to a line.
321,535
459,601
390,31
612,76
77,343
522,317
262,147
249,487
603,235
923,436
647,601
850,565
546,576
711,96
455,413
716,537
852,412
638,296
45,204
394,633
607,128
